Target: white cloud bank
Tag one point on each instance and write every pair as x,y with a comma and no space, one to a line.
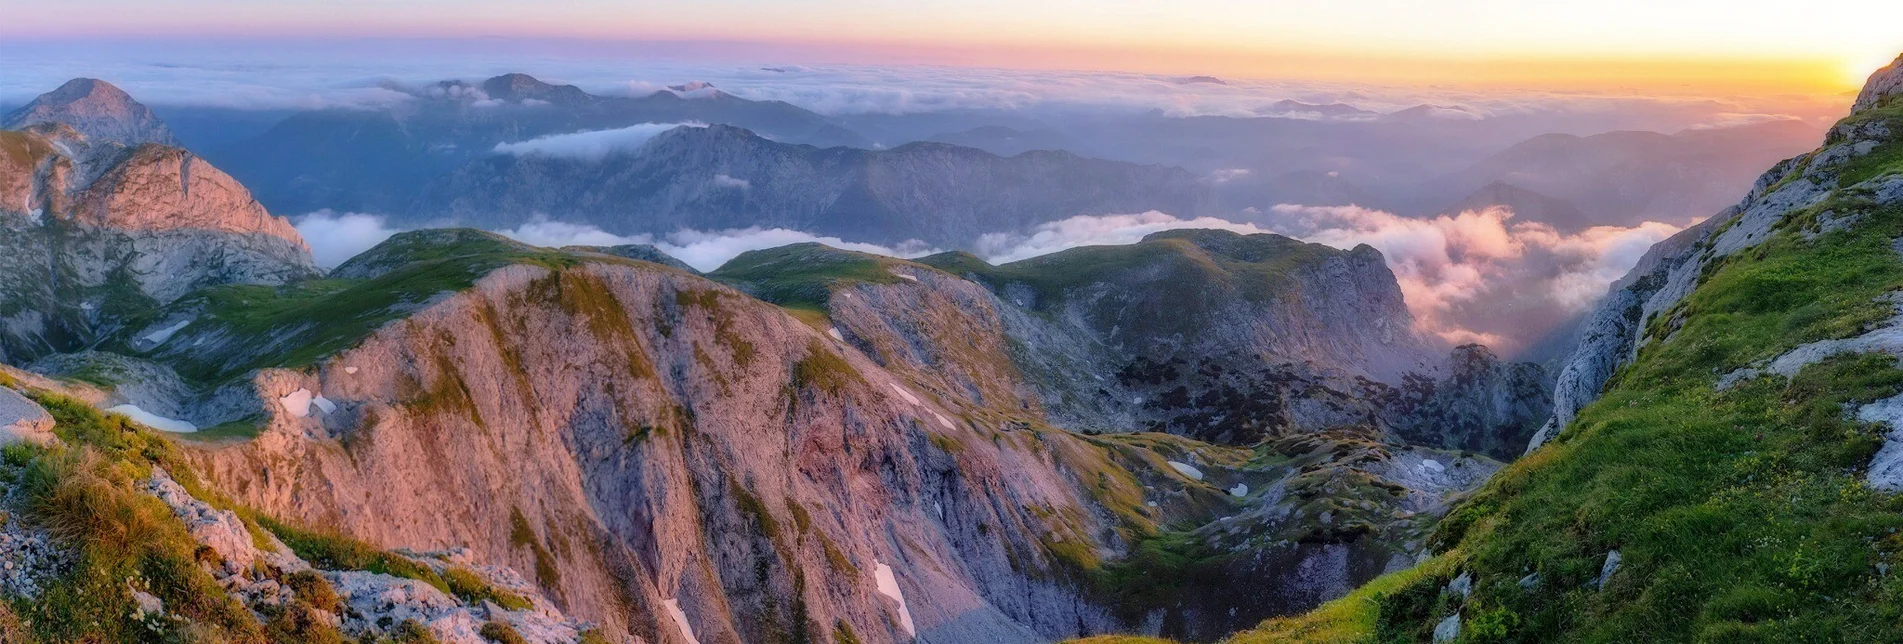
590,145
336,237
1476,276
703,250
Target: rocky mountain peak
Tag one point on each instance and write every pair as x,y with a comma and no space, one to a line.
1883,87
95,108
520,87
166,188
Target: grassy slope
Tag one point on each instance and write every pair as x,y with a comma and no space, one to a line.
801,277
1257,264
1741,515
309,320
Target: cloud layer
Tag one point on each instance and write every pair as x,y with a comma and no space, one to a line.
590,145
703,250
335,237
1475,276
1478,276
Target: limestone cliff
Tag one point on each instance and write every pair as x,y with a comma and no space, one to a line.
97,234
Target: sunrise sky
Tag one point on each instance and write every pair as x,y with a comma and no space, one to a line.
1657,44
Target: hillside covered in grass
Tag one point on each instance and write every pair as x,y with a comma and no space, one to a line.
1732,483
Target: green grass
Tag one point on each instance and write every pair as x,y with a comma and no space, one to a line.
522,535
823,370
295,325
1741,515
333,551
1258,265
1887,158
501,633
474,590
803,276
124,539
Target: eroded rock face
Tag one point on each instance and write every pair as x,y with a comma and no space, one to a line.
1481,403
95,108
689,444
93,234
1883,86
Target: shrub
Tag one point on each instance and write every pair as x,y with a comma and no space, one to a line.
472,588
501,633
334,551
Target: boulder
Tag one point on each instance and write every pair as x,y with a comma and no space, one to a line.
24,421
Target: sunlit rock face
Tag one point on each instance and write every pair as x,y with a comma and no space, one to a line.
98,232
96,109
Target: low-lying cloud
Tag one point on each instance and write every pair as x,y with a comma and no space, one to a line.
591,145
704,250
335,237
1476,276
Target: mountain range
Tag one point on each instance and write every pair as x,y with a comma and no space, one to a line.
806,443
1203,435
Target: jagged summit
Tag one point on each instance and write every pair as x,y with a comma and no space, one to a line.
97,109
1883,87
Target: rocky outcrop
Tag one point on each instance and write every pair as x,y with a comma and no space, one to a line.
96,233
1630,315
1883,86
95,108
23,421
1480,404
693,447
262,572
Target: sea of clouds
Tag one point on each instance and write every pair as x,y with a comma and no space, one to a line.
1474,276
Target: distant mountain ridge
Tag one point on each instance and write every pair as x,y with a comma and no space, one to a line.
721,177
377,160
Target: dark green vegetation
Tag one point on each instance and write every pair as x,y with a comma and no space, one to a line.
501,633
1258,266
1741,515
332,551
295,325
801,277
472,589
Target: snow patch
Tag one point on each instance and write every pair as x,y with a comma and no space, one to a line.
680,619
324,404
154,421
942,420
889,586
297,403
1241,489
1187,470
1433,466
160,336
834,331
905,394
350,370
904,276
